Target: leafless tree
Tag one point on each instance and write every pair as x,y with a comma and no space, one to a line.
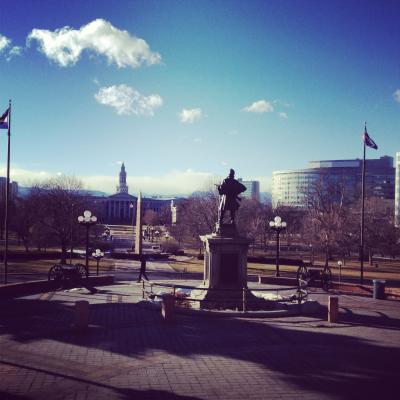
251,221
325,224
59,202
150,217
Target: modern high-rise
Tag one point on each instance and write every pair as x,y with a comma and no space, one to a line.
397,192
13,189
289,187
252,189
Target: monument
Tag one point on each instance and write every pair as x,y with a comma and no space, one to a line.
138,236
225,256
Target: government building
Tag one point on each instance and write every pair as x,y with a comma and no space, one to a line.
289,187
120,208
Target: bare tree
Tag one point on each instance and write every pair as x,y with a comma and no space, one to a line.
328,205
380,235
197,216
150,217
24,219
59,202
251,221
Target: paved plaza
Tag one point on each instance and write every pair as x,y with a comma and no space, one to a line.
129,352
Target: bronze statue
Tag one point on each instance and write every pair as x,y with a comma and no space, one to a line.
229,190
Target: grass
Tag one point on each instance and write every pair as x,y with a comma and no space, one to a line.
387,270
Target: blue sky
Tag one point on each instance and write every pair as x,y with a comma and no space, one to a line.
184,90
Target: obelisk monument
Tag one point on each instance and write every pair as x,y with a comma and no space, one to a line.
138,237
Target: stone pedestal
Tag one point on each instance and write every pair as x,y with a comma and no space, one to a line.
225,270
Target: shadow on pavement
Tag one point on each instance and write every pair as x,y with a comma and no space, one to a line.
9,396
342,365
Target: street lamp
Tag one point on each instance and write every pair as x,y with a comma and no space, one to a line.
131,208
277,225
98,255
157,233
87,219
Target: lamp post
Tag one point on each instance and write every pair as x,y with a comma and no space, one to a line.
131,208
166,240
312,254
340,263
87,219
277,225
98,255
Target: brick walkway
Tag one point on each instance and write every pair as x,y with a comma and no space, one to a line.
130,353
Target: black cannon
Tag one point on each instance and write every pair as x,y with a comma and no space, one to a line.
308,276
67,273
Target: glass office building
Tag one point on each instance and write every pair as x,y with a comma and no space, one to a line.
289,187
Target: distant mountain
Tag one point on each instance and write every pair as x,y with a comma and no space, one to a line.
97,193
23,191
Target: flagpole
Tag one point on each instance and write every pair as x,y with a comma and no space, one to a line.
362,215
7,197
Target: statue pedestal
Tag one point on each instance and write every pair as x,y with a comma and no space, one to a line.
225,270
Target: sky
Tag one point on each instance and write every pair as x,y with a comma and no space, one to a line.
182,91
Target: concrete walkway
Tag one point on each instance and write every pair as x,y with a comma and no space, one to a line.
128,351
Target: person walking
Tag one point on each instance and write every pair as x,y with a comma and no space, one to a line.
142,268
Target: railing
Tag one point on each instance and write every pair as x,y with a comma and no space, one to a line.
299,296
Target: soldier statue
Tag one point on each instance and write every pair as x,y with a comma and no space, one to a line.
229,190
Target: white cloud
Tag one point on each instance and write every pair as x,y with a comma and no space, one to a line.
14,51
281,103
4,42
283,115
8,50
223,163
188,116
65,45
127,100
197,140
396,95
260,106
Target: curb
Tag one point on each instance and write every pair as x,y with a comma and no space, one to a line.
307,308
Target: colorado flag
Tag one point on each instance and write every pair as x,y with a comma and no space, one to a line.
368,141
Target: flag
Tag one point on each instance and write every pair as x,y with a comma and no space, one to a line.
4,119
368,141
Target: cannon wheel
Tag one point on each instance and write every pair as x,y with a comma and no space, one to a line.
302,274
56,274
82,271
326,278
